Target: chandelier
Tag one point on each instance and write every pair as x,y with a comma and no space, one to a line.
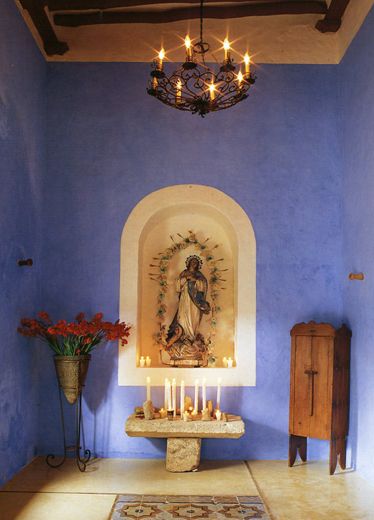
194,86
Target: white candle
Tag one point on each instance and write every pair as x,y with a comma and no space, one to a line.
148,361
218,406
182,397
229,362
148,388
169,395
218,415
142,361
196,405
204,394
174,396
166,393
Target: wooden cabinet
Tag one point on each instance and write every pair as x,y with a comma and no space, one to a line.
319,394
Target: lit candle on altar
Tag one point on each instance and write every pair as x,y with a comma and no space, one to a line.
178,97
148,388
196,404
247,62
224,361
148,361
226,47
218,406
174,396
212,91
166,393
204,394
182,397
161,56
187,43
169,395
142,362
230,362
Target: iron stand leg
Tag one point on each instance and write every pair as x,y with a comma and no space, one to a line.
76,448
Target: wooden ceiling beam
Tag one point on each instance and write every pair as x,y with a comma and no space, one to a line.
51,44
102,5
333,18
191,13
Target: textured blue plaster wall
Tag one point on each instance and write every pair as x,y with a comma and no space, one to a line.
357,136
22,147
109,145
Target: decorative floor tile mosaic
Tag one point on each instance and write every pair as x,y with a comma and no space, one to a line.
161,507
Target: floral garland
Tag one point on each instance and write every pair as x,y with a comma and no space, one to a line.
215,283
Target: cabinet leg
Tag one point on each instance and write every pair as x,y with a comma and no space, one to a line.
297,443
342,452
333,456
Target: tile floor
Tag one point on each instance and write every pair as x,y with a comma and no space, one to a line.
304,492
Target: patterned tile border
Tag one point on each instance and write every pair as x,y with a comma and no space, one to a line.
191,507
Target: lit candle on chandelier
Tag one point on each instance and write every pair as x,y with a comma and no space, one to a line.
226,48
247,63
161,56
178,97
187,43
240,79
212,91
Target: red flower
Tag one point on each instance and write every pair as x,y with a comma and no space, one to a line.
44,316
79,317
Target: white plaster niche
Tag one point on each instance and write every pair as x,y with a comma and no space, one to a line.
216,220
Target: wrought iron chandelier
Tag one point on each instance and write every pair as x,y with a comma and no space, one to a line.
194,86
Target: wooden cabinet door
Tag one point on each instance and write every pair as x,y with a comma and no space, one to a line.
321,386
300,395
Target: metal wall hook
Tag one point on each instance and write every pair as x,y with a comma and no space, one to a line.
356,276
28,262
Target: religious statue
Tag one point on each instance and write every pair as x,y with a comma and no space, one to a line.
184,343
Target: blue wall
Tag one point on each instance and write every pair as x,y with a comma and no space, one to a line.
277,155
356,116
296,156
22,147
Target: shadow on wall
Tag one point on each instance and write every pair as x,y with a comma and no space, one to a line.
101,375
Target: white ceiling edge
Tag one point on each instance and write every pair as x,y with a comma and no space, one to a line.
282,39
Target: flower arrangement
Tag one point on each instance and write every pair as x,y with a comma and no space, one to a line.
76,338
216,282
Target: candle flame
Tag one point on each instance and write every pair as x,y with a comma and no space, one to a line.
240,77
247,58
187,42
226,44
212,87
161,54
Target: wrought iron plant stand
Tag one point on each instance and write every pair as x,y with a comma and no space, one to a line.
71,383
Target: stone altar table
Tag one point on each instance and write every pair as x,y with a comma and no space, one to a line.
184,438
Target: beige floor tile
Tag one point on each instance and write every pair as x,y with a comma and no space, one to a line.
135,476
308,492
54,506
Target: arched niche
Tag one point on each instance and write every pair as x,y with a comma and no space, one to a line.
210,214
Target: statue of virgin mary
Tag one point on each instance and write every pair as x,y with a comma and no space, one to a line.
185,345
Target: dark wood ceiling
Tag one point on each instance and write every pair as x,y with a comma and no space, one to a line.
46,14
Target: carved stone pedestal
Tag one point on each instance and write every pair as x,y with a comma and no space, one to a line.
183,454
